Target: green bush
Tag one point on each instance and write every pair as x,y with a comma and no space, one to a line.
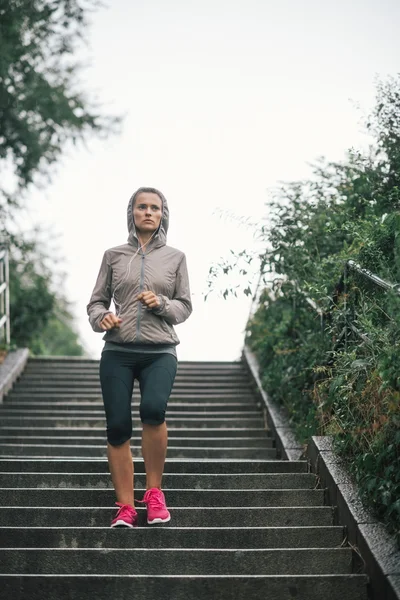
286,336
345,380
40,317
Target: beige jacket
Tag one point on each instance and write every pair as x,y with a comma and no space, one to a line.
123,276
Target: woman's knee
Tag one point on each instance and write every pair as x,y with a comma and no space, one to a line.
119,433
152,415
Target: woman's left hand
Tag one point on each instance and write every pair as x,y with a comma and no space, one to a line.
149,299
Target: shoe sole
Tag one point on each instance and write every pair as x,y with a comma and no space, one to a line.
123,524
158,520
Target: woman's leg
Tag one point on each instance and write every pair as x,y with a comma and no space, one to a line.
121,469
156,380
154,451
116,376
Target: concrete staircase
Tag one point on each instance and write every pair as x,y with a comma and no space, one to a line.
244,526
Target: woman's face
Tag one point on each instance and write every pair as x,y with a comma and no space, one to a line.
147,212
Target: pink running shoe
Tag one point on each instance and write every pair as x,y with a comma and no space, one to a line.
157,511
126,516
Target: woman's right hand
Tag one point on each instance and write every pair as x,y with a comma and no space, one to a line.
110,321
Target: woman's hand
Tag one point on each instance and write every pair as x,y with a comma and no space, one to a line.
110,321
149,299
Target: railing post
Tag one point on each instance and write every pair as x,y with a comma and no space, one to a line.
7,279
345,289
5,294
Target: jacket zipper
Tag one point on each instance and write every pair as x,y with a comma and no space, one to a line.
140,307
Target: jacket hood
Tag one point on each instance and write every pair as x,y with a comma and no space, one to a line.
160,238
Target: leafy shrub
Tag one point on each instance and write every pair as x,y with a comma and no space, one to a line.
345,381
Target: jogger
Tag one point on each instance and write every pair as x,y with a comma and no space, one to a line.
148,282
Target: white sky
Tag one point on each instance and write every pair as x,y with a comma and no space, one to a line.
222,99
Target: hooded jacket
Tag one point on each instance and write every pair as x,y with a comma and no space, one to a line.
125,273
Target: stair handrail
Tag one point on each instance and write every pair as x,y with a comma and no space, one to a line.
5,295
349,266
386,285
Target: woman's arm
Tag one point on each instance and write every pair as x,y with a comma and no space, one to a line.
100,299
178,309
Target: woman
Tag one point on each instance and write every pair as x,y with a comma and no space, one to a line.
148,282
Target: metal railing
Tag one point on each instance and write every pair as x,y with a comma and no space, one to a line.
342,287
4,296
349,267
353,266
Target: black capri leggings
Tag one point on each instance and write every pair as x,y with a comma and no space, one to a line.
118,370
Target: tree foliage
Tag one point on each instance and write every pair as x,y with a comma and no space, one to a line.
41,318
41,103
43,107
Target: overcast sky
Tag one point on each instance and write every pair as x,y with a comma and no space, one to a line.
222,99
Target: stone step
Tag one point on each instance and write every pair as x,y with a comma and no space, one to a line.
172,537
97,398
10,411
81,395
219,587
222,395
173,406
183,367
77,377
68,382
173,442
174,421
60,450
199,481
97,516
76,360
210,432
209,466
94,373
53,363
173,561
78,497
192,377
